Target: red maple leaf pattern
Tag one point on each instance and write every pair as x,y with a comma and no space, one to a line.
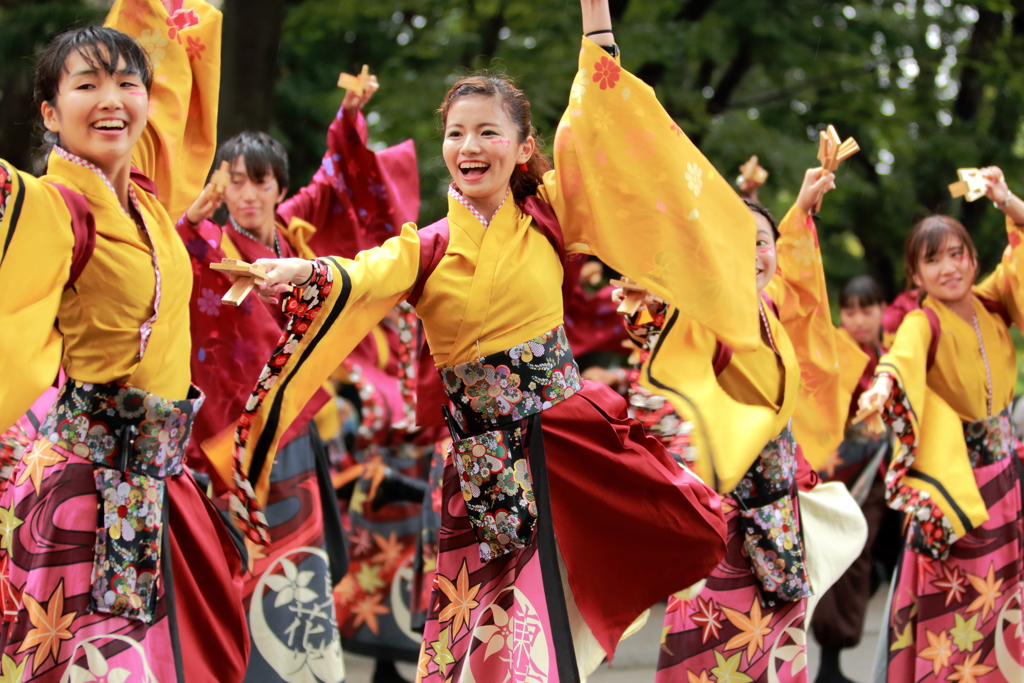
953,582
708,617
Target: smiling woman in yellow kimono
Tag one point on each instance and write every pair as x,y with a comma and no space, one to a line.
112,561
545,466
751,413
945,388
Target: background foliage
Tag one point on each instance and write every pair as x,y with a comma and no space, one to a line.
925,86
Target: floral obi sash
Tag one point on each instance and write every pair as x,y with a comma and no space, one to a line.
989,440
770,522
492,396
136,440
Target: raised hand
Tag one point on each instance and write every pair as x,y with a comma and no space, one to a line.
354,102
816,185
597,17
999,192
203,207
996,189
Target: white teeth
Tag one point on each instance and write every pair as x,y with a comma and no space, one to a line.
473,164
114,125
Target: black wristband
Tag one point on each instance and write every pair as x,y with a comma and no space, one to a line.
594,33
612,49
312,272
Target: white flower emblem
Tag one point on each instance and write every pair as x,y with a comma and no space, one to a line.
694,179
153,42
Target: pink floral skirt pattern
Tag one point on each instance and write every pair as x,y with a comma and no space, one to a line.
724,634
959,619
50,633
505,618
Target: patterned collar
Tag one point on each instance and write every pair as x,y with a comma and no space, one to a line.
147,327
246,233
454,192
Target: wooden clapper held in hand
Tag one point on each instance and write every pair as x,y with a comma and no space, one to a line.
752,171
971,185
831,151
247,276
634,296
355,83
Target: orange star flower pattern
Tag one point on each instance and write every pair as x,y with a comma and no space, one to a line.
49,627
970,670
391,550
38,459
939,650
753,628
988,592
367,610
694,678
462,599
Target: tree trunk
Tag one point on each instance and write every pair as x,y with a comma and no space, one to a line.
252,35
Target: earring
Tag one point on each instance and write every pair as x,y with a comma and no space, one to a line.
523,167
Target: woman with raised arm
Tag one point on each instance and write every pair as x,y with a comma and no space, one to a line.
945,389
752,413
545,467
112,562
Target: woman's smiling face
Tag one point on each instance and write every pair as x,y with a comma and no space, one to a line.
765,258
948,274
481,149
99,116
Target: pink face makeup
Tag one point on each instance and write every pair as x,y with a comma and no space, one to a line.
503,143
767,249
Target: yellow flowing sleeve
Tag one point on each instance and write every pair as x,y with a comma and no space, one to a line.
930,478
37,242
830,364
727,434
177,148
1006,283
342,304
631,188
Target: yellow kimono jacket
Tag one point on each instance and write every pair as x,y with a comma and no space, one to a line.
628,187
93,328
934,470
810,381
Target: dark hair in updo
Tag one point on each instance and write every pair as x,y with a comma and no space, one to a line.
761,209
102,49
515,104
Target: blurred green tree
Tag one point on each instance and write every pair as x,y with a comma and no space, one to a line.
925,86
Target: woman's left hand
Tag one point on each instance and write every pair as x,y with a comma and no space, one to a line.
816,185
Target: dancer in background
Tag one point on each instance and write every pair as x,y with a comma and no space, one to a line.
860,463
945,389
385,473
749,619
113,563
533,442
354,199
